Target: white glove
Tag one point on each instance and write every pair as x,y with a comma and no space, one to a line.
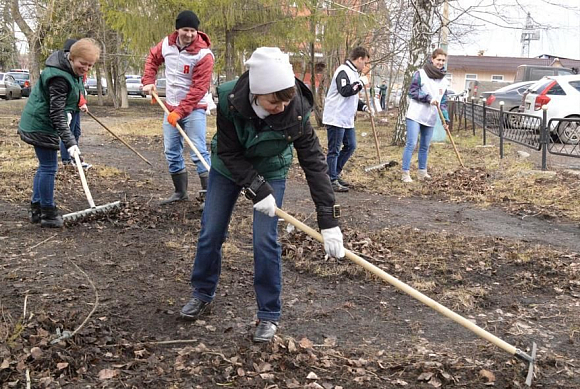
267,205
333,242
73,151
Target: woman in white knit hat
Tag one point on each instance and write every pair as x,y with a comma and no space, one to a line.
259,117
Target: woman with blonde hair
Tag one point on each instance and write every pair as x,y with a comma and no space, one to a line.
45,121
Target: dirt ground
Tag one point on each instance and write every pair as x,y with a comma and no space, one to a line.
123,279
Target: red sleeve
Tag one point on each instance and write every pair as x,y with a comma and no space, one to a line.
200,82
152,63
82,100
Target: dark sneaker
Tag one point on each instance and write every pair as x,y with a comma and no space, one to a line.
343,183
337,187
265,331
34,213
194,309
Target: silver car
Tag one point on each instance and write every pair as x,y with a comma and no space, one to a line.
134,87
9,87
160,86
511,95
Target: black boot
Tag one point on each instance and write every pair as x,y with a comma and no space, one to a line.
34,213
50,218
180,184
203,191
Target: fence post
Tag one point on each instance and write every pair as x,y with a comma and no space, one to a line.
465,114
501,103
473,115
544,136
483,122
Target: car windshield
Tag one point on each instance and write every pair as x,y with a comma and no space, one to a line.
539,86
1,76
161,83
20,76
133,81
91,81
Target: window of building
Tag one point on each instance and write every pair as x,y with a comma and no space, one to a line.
497,78
469,78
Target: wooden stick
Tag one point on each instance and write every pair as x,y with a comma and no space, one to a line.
372,124
183,134
449,135
408,290
121,140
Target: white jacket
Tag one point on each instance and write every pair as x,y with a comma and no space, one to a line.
422,111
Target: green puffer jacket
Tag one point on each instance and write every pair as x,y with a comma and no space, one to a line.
44,119
246,146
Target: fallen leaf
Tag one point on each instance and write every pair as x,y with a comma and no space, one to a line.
36,352
107,374
426,376
62,365
305,343
267,376
312,376
291,346
488,375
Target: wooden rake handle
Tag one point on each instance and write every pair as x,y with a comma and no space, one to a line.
183,134
449,135
116,136
372,124
406,288
79,165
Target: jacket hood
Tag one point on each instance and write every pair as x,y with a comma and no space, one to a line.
201,42
59,59
301,104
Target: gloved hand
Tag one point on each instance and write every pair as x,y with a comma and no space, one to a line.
435,102
267,205
333,242
148,88
172,118
74,151
84,108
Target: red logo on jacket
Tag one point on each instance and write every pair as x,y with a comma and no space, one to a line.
185,69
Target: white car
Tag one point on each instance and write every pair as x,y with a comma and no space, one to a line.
561,95
134,87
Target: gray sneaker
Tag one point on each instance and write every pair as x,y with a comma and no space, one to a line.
265,331
337,187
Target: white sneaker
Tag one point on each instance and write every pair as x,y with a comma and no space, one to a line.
422,175
406,177
86,166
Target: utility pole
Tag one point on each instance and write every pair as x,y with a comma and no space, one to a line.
529,33
445,27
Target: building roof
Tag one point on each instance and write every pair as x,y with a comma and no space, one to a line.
471,63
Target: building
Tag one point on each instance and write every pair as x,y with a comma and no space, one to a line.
461,69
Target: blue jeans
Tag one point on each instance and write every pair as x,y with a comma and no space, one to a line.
43,183
222,194
341,145
194,127
75,128
413,129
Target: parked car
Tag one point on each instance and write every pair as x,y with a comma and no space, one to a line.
134,87
511,95
160,86
561,95
91,86
535,72
23,79
9,87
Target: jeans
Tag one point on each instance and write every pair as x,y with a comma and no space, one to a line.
75,128
194,127
337,156
413,129
222,194
43,183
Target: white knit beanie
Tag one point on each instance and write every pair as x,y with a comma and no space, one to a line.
270,71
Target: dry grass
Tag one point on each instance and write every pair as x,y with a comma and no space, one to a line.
510,182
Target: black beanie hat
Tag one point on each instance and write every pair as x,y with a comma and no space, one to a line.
186,19
68,44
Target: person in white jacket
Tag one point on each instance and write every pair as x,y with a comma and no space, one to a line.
427,93
340,107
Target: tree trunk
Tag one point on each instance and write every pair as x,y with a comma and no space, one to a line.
418,47
230,53
33,39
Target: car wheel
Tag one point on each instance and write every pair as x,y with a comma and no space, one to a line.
569,132
9,96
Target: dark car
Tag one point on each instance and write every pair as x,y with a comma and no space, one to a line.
511,95
23,79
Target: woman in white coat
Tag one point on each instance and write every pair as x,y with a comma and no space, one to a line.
427,92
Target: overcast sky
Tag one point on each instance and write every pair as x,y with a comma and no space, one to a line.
559,27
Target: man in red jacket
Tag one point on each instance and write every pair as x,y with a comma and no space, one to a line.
188,70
